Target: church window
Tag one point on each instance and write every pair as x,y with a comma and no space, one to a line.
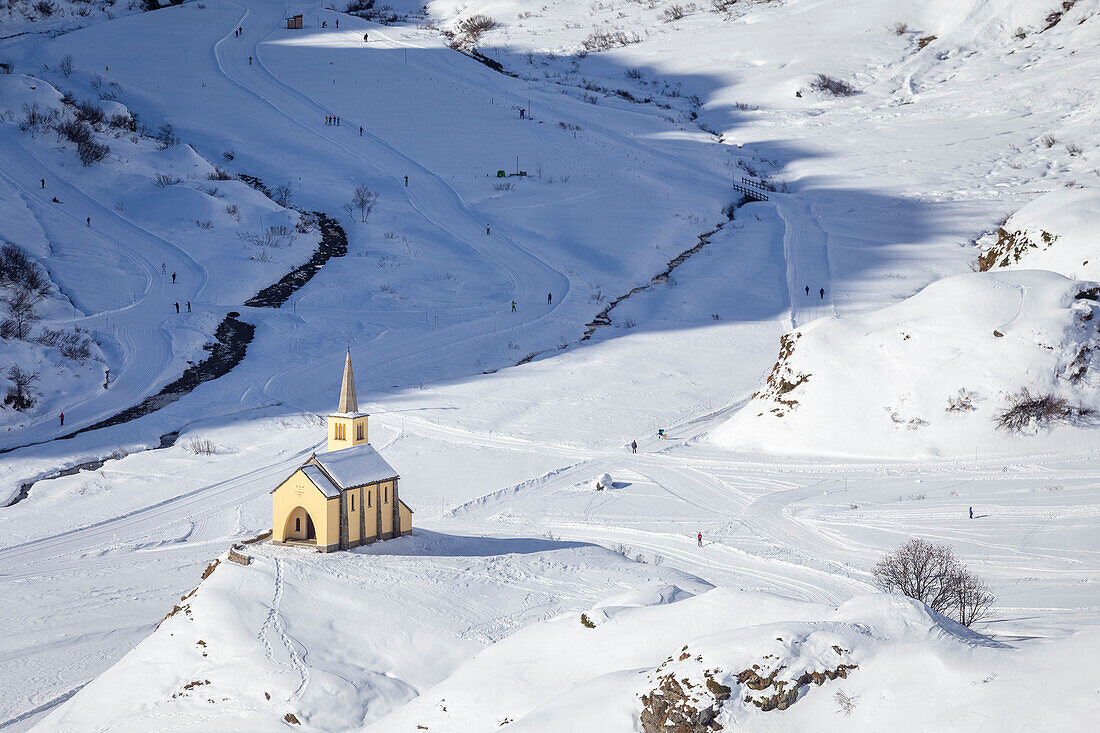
297,524
358,432
386,499
368,500
353,502
339,431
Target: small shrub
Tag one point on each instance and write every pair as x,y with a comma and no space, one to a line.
634,73
232,209
201,447
722,6
17,269
1048,140
1041,410
21,393
899,29
66,65
163,180
45,8
90,113
74,345
219,174
829,85
961,402
1074,149
35,119
672,13
503,186
1020,33
605,40
166,136
123,121
204,224
272,237
22,315
587,622
281,195
358,6
845,703
229,155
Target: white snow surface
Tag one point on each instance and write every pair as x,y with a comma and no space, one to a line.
968,114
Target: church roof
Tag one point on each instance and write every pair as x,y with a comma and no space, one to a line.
320,480
348,401
355,466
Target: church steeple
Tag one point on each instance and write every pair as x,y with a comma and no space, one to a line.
347,426
348,403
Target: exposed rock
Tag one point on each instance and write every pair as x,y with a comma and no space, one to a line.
291,718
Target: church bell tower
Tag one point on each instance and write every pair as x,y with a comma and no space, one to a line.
347,426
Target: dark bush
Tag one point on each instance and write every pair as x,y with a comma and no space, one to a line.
828,85
22,315
17,269
89,112
92,152
359,6
166,136
21,394
45,8
123,121
1042,410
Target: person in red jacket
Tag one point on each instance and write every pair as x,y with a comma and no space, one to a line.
699,539
63,418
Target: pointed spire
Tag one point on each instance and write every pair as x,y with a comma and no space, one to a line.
348,402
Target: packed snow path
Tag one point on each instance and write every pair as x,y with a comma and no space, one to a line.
805,247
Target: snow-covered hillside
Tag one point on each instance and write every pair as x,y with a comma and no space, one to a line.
754,226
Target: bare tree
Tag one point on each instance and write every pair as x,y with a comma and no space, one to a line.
281,195
364,200
21,394
66,65
932,574
971,599
22,315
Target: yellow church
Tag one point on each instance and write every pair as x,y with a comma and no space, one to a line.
346,497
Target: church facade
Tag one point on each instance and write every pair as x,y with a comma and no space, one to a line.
345,497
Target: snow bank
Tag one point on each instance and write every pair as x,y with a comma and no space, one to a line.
930,375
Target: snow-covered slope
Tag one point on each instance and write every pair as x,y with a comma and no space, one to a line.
934,374
964,112
248,646
875,661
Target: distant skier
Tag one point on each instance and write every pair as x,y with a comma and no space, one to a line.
361,135
486,226
189,306
971,512
365,38
699,539
822,293
633,446
549,299
173,278
337,121
89,220
249,60
324,24
807,290
337,22
43,183
406,181
163,269
513,306
177,307
55,200
63,419
661,434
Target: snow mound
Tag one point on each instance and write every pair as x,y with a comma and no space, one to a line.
603,481
751,661
1058,231
930,375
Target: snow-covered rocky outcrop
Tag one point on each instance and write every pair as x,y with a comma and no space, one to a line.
934,374
1059,231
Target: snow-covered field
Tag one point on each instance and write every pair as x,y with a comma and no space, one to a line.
828,369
